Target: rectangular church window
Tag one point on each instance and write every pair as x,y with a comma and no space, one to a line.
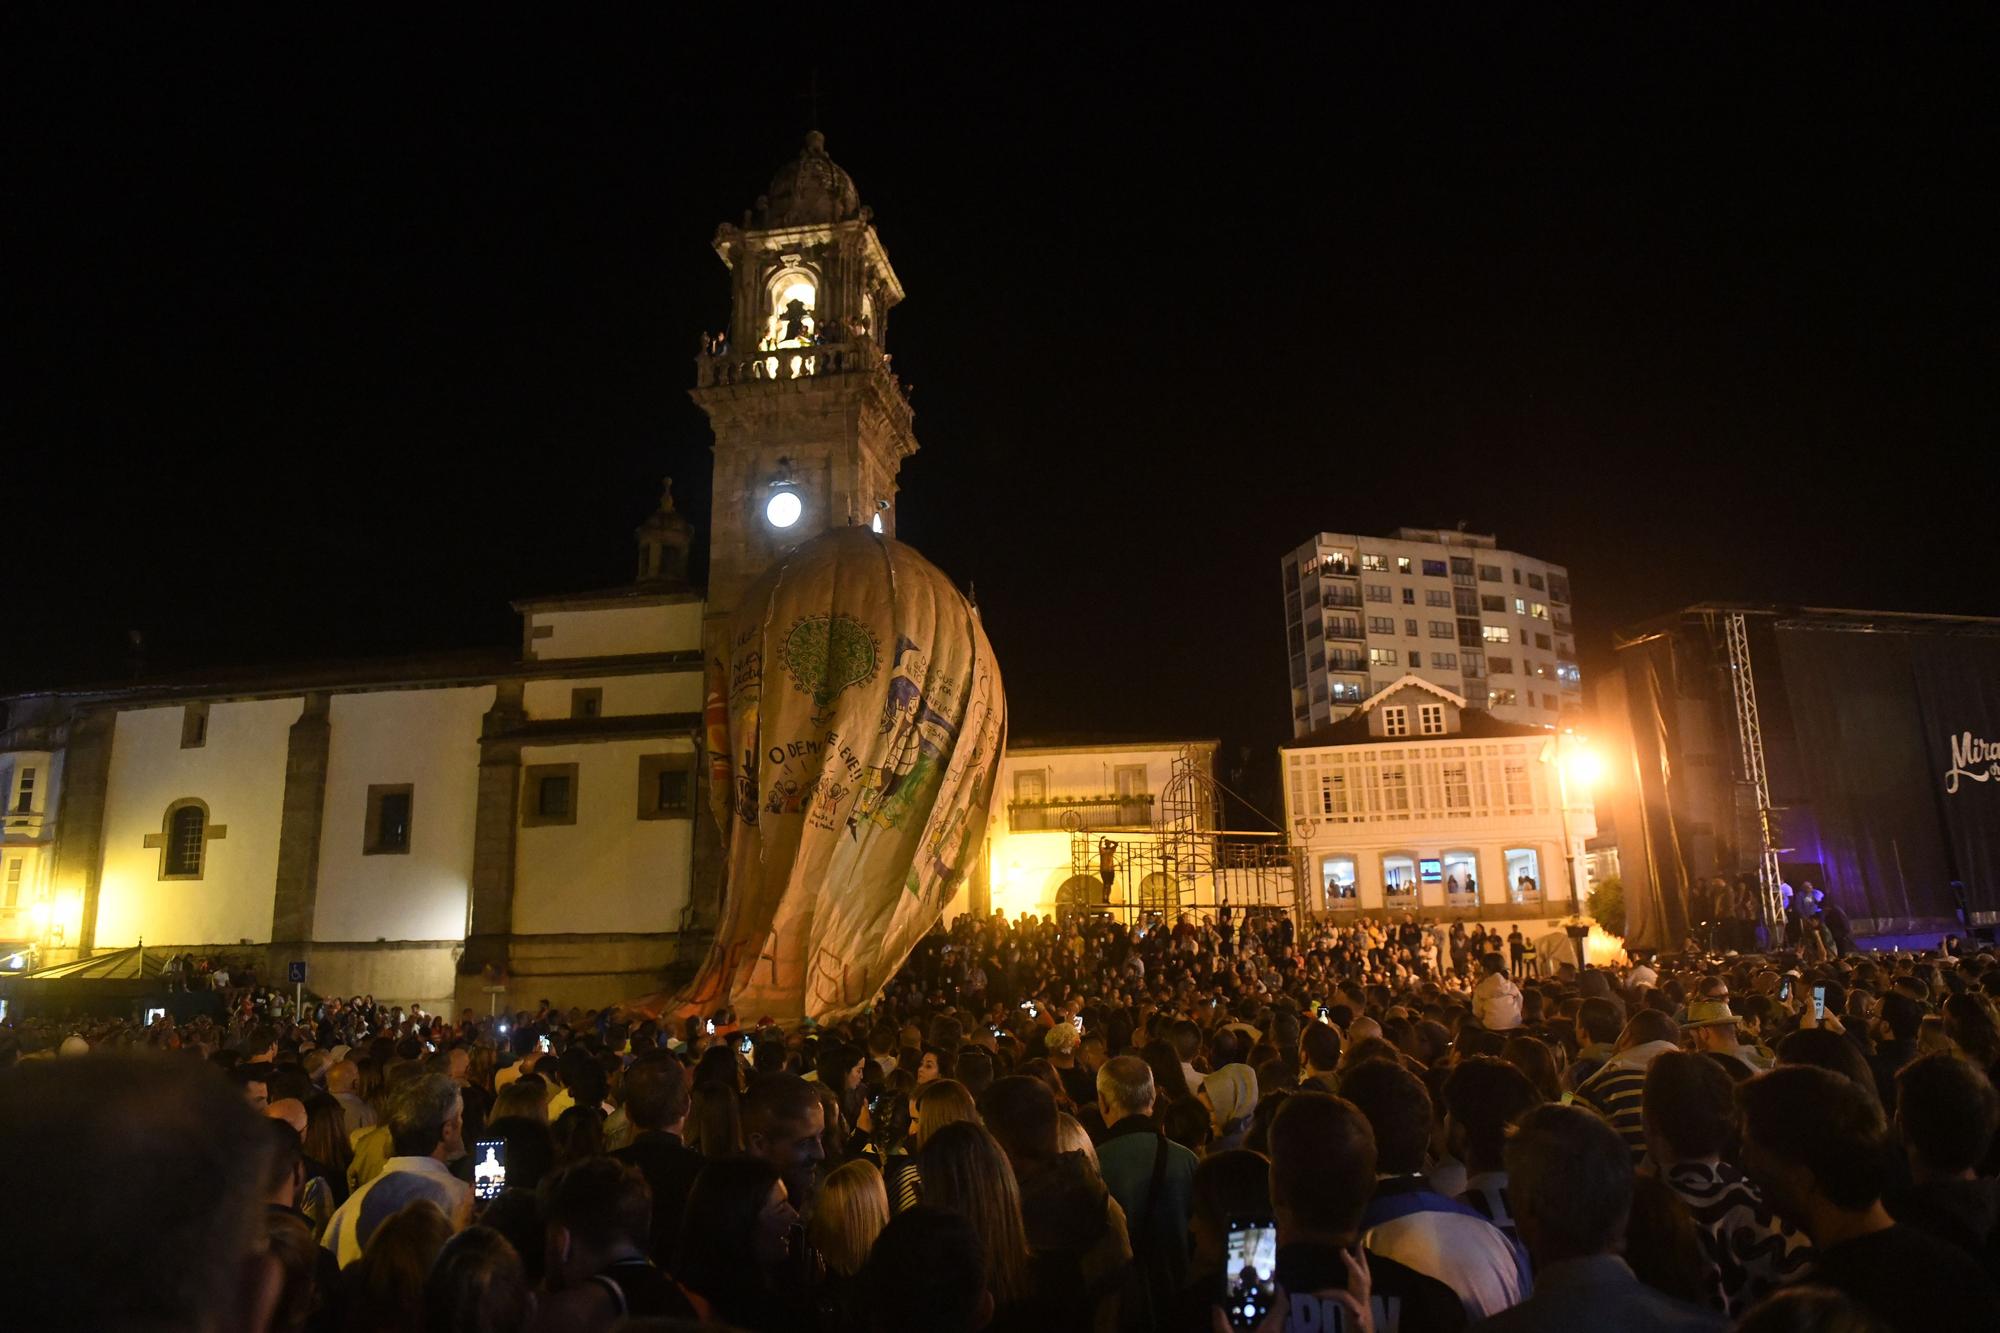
389,810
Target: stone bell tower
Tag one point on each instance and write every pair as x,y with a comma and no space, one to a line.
811,426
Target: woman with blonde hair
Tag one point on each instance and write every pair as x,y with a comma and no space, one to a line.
852,1209
966,1171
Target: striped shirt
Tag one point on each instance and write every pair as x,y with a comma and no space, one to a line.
1618,1090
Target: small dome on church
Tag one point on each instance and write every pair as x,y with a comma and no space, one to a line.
809,190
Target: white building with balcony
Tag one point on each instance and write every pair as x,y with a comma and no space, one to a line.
1417,801
1445,606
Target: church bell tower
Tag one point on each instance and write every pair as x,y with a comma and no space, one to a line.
811,426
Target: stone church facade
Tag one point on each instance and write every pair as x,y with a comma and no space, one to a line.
489,827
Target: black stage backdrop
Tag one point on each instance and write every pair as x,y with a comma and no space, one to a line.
1873,715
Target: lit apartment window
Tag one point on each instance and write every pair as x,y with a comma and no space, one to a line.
1399,876
1430,719
1395,722
1382,656
1538,610
1372,563
1520,606
1500,699
1497,634
1379,592
1381,624
1442,629
1402,564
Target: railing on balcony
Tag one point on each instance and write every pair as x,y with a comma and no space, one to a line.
1335,598
1093,811
718,369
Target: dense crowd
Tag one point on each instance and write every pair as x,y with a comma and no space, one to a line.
1404,1125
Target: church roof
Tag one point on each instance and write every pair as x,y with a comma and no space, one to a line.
810,190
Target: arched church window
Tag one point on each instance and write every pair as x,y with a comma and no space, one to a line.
186,828
792,321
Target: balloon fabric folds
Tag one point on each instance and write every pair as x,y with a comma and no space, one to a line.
855,721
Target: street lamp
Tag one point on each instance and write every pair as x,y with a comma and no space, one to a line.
1575,764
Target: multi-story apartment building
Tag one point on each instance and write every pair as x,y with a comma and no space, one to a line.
1448,607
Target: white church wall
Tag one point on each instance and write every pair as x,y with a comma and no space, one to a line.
610,870
430,740
240,773
615,631
624,696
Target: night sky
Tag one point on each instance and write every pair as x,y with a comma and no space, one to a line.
328,341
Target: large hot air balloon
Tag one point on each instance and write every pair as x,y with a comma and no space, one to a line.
855,722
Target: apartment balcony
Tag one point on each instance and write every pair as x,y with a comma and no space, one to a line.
1093,812
1334,599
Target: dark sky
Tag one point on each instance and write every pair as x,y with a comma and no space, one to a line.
330,340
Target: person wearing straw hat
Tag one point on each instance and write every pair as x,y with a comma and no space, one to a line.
1713,1024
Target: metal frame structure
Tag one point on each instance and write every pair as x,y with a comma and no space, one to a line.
1750,739
1185,862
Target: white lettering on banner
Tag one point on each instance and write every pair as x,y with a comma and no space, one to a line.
1972,757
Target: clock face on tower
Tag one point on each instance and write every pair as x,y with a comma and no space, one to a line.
782,510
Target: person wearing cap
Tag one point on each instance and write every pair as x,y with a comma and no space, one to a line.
1713,1024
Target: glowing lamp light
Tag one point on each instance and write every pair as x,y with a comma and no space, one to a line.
1583,768
784,507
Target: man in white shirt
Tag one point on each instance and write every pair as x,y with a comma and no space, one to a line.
425,1123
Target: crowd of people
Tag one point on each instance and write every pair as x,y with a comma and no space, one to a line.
1052,1127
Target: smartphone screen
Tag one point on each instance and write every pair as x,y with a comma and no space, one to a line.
1785,989
1325,1014
746,1043
1819,1002
545,1044
489,1168
1250,1271
1077,1023
711,1027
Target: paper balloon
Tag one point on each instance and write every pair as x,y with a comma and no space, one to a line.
855,721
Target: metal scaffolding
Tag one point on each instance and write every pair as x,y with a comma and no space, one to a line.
1184,862
1750,739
